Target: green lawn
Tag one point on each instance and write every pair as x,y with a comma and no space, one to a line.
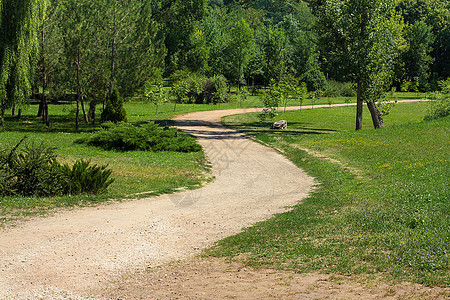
383,212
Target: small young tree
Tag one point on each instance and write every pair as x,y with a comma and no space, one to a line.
302,93
271,100
114,110
242,95
155,94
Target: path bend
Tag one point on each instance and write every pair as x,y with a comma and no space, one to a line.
76,254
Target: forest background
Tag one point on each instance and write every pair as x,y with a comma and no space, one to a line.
83,50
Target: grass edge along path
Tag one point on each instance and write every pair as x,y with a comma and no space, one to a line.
390,220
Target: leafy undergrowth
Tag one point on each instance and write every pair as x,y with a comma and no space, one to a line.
391,219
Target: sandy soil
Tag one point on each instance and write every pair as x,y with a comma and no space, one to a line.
126,250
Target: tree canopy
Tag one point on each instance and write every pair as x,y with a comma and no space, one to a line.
86,49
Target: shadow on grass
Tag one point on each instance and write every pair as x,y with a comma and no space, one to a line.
297,128
58,123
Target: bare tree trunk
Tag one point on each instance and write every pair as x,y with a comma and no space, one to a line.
113,61
377,120
78,96
83,109
40,109
92,107
13,110
359,108
45,116
77,112
2,116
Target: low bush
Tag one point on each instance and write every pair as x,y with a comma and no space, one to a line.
339,89
32,170
148,137
84,178
201,90
440,106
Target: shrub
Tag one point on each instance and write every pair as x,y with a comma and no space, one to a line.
339,89
149,137
440,106
114,110
198,89
215,90
29,171
83,178
34,171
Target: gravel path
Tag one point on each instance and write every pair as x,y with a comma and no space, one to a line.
75,253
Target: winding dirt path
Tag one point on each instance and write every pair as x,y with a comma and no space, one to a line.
74,254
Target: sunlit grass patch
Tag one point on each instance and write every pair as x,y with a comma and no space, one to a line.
396,224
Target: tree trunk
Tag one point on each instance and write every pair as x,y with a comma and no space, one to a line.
44,103
77,112
40,110
13,110
377,120
45,116
92,107
359,108
83,109
113,61
2,117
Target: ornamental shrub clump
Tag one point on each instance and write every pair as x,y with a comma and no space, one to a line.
114,110
32,170
148,137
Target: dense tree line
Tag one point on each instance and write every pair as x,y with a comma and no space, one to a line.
85,50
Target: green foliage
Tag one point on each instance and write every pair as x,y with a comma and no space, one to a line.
439,107
29,172
156,94
394,224
114,110
360,38
19,23
201,90
417,57
34,171
271,99
339,89
241,42
148,137
215,90
84,178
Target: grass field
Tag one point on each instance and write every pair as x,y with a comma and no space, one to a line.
383,211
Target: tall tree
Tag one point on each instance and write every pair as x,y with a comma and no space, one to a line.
241,42
50,56
417,58
273,44
19,48
359,35
179,18
81,68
